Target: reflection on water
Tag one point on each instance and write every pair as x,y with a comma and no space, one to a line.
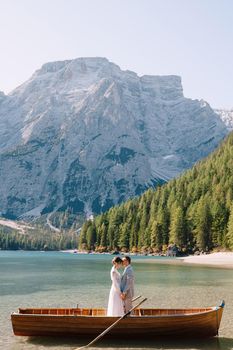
34,279
216,343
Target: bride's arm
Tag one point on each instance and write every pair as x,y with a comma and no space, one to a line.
115,282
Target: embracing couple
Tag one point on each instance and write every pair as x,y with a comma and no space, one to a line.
122,289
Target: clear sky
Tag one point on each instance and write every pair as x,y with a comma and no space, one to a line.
190,38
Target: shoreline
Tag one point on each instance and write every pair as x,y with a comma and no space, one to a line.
216,259
220,259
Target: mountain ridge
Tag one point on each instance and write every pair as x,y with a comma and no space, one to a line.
83,134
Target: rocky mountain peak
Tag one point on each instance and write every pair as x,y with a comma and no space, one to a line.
84,134
79,66
2,96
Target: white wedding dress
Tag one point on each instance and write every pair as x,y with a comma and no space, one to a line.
115,304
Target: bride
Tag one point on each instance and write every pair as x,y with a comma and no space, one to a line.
115,304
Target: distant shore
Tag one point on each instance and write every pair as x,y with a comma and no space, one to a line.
219,259
216,259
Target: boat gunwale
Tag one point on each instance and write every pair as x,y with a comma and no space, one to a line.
213,309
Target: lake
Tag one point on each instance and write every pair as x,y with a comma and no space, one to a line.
56,279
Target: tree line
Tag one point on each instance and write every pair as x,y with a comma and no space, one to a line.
39,240
193,211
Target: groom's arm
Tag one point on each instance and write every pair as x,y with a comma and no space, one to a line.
129,281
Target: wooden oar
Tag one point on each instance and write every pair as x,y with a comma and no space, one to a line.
110,327
136,298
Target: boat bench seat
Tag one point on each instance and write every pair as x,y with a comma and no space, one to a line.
90,312
98,312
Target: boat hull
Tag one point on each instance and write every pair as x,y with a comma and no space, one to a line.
201,324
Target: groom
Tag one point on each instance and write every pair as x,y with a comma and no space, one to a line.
127,284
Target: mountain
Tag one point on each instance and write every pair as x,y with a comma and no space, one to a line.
226,116
193,211
85,135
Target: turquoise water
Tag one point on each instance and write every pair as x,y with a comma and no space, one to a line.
56,279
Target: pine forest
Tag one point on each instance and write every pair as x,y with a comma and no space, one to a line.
194,212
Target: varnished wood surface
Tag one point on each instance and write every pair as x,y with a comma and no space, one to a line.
144,322
103,312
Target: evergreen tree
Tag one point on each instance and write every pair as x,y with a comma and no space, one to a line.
156,236
230,229
203,226
124,236
218,225
91,237
103,235
163,221
177,226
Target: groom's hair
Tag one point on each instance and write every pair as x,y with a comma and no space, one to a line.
128,258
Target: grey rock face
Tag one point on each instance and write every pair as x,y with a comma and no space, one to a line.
86,135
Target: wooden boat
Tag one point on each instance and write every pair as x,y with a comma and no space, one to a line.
143,322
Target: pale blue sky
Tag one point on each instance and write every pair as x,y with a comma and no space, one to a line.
190,38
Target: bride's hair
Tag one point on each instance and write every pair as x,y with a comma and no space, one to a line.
117,260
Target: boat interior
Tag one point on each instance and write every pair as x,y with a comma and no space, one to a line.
102,312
